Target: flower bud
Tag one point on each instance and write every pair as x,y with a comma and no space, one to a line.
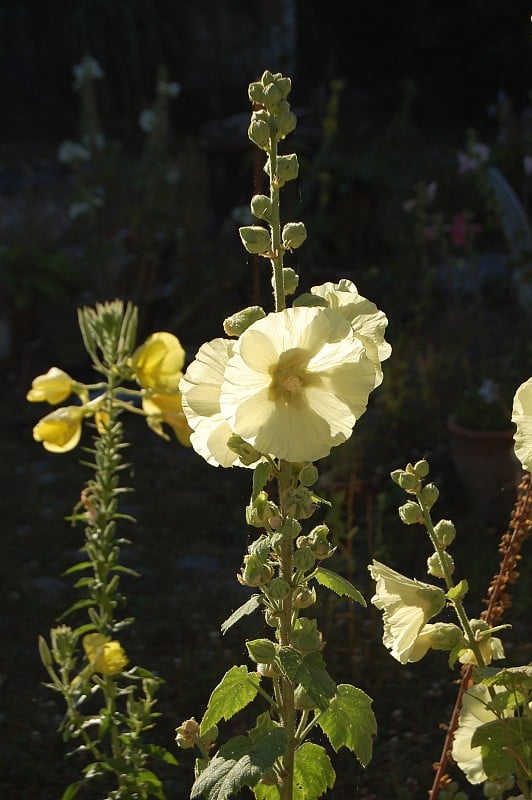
245,451
255,239
254,572
278,589
293,235
187,734
290,280
300,503
260,510
445,636
445,532
319,543
269,670
428,495
272,96
256,93
304,597
259,132
434,564
410,513
408,481
239,322
308,475
310,301
285,121
261,207
305,636
272,618
421,468
304,559
262,651
287,169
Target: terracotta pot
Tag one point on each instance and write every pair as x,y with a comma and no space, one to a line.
484,461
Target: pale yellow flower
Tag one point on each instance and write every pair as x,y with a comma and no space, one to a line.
167,408
368,323
490,646
472,715
407,605
200,388
522,417
296,383
60,430
52,387
158,362
105,656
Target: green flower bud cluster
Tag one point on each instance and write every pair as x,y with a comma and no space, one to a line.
300,503
254,572
318,542
306,637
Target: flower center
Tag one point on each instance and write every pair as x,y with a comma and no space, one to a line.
290,378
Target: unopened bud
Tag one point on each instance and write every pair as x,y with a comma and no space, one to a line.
278,589
240,321
304,597
421,468
259,132
305,636
262,651
304,559
256,93
285,121
187,733
408,481
437,563
287,169
290,280
428,495
410,513
254,572
294,234
310,301
261,207
255,239
445,532
308,475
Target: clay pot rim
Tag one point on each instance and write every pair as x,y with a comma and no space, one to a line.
479,433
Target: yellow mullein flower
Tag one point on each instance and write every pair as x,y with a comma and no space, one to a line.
522,417
368,323
60,430
167,408
200,387
53,387
407,605
296,383
158,362
105,655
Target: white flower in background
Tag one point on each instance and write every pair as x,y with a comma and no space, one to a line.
296,383
200,388
407,605
148,120
69,152
473,714
522,417
169,89
489,391
367,322
477,155
88,69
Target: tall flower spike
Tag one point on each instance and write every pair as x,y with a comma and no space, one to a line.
407,605
296,383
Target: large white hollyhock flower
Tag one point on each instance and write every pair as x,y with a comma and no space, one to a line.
522,416
296,383
472,715
407,605
200,399
368,323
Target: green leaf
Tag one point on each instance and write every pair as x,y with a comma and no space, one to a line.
350,722
504,744
237,688
78,567
161,754
240,762
263,792
261,475
310,672
246,608
457,593
338,585
149,780
86,603
513,678
72,790
313,772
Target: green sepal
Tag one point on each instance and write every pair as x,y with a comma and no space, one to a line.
339,585
310,300
235,691
261,476
350,722
457,593
246,608
239,762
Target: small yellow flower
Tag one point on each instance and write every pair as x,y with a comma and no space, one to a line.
105,655
60,430
167,408
53,387
522,417
407,605
158,362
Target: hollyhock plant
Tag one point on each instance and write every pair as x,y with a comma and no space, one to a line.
473,714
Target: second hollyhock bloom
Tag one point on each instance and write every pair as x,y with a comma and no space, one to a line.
407,605
522,417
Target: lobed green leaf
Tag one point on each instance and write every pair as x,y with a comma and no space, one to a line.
313,772
350,722
504,744
309,670
235,691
